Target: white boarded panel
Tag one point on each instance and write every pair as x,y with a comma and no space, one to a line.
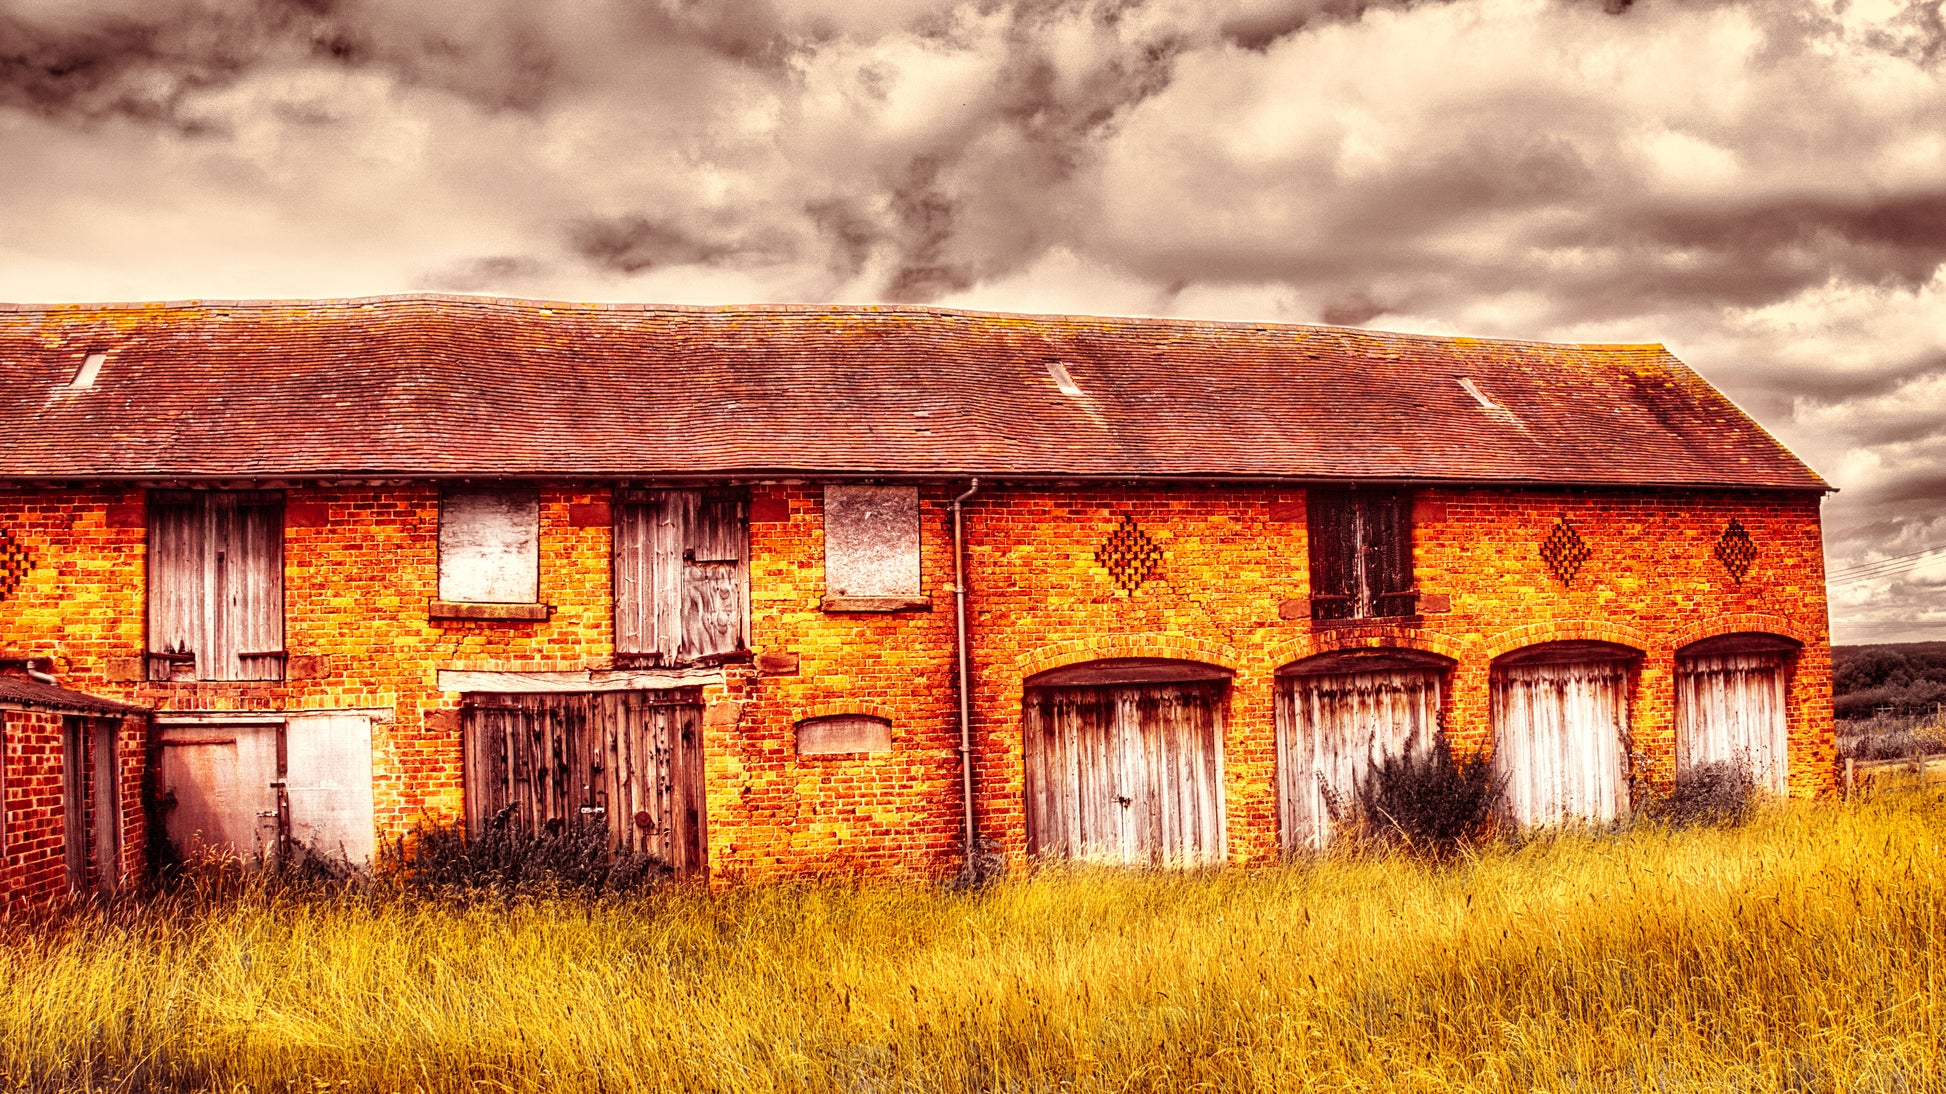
489,546
1731,707
1331,728
219,777
871,540
328,782
843,734
1558,731
1130,775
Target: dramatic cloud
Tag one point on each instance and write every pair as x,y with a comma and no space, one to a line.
1762,185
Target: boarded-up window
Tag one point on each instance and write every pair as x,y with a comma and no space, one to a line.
216,585
682,578
871,541
1361,553
489,546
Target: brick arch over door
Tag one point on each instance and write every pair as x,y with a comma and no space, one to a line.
1284,654
1560,727
1109,646
1565,630
1741,623
1340,713
1123,760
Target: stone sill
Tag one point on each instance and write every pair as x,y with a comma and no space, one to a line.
1376,622
452,609
877,604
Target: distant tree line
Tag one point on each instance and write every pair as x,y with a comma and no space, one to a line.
1908,677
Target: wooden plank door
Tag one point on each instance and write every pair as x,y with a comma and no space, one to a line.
1331,729
74,801
225,783
630,761
1558,733
105,803
1731,707
1128,774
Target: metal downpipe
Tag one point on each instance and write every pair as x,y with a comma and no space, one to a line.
965,676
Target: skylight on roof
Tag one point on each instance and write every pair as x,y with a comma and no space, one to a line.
84,377
1062,380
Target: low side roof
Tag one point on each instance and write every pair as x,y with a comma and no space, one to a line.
22,691
460,386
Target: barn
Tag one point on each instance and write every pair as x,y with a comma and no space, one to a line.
775,591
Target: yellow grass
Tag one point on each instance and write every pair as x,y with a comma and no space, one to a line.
1800,952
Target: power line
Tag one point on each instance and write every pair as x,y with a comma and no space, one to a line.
1883,565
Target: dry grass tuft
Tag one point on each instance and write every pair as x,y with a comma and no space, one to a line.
1799,952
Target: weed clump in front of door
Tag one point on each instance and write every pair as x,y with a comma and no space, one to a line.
1428,801
1721,793
505,858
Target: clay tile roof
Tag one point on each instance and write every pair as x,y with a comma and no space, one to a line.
463,386
26,692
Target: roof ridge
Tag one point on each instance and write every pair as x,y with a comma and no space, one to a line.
543,304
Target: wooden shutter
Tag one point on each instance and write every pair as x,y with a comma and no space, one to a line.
1386,552
682,575
715,586
649,532
177,538
254,587
1332,516
216,585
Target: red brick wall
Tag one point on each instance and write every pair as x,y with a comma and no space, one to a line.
361,565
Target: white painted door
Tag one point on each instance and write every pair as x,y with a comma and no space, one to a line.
328,783
1127,774
1558,731
1731,707
222,781
1330,730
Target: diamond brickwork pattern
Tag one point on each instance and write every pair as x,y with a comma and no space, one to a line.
1736,550
1130,556
1564,551
14,563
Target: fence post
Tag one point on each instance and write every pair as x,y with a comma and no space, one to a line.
1848,778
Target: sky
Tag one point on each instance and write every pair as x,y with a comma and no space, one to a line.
1761,186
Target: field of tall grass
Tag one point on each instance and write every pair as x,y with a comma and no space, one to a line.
1801,951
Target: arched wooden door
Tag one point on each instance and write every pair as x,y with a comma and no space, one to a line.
1338,715
1124,763
1730,695
1560,723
